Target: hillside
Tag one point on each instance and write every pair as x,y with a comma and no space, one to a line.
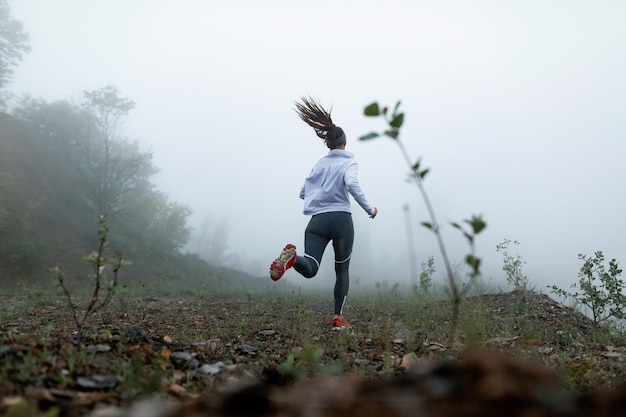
50,222
43,202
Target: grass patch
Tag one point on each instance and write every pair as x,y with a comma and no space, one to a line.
281,334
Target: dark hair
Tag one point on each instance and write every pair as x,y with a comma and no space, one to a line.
313,114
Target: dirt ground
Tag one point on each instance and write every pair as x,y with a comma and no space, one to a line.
183,349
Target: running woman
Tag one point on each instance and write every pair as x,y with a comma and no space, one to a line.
326,198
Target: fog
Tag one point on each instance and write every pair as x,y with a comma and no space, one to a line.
517,108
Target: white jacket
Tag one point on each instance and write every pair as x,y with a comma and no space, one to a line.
331,179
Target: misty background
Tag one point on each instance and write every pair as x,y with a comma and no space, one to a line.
518,109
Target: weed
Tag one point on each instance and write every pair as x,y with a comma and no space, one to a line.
307,362
426,274
99,264
513,266
394,120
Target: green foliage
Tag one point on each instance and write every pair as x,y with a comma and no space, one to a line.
13,45
99,264
513,266
153,225
6,185
394,120
599,289
111,167
426,274
307,362
17,247
115,172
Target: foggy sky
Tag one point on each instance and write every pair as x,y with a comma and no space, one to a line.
517,108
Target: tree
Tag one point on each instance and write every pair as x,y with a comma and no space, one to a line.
112,166
210,240
13,44
88,137
153,225
6,184
114,171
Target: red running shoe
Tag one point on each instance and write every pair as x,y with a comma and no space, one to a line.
285,260
340,324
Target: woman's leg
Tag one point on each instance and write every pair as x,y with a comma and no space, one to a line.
315,241
343,239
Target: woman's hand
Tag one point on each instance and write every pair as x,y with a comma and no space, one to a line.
375,213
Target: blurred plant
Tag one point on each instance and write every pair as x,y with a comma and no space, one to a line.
599,290
411,243
394,120
513,266
306,362
99,263
426,274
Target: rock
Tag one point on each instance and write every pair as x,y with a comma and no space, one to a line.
212,369
135,334
246,349
98,381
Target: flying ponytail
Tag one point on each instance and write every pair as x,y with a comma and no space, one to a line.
313,114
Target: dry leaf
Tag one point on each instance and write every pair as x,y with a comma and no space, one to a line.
165,353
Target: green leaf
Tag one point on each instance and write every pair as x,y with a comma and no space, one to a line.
427,225
372,110
369,136
477,223
397,121
416,165
393,134
456,225
424,172
474,263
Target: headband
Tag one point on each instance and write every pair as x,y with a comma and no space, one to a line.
338,141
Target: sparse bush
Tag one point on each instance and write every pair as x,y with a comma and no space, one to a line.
426,274
99,264
598,289
513,266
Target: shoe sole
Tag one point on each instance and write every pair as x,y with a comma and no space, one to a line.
282,263
337,328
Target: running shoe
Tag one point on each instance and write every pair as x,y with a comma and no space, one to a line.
285,260
340,324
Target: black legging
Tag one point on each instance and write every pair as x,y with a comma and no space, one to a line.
322,228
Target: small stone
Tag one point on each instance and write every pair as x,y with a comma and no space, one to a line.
180,358
408,361
98,381
247,350
98,348
544,350
212,369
